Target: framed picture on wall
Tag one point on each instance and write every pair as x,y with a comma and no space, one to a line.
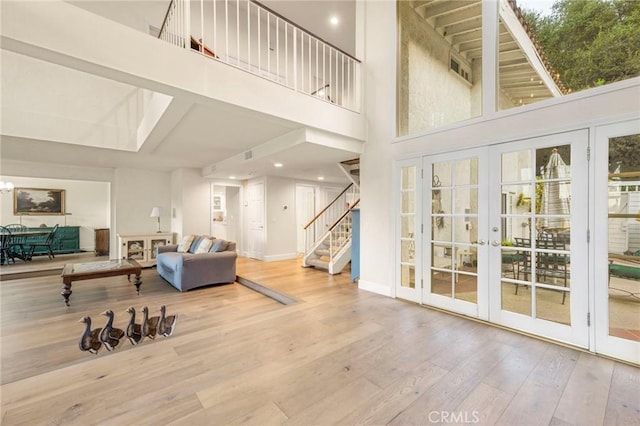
38,201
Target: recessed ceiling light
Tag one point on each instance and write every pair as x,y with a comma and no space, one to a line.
320,177
232,177
278,165
334,20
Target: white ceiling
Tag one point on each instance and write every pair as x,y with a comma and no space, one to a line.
206,134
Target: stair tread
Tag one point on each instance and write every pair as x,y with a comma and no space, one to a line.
318,263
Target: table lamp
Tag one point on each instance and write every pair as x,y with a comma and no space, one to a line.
155,212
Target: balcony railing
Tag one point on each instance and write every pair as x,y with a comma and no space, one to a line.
246,35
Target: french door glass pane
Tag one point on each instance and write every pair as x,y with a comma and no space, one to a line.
407,226
536,225
408,202
441,201
454,213
516,298
624,237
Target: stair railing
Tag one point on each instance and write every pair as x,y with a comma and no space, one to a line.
248,35
315,230
340,232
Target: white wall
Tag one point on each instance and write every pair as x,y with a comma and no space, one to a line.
191,199
281,235
376,249
88,203
136,193
429,95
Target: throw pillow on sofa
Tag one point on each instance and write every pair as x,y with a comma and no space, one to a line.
218,245
185,243
203,246
195,243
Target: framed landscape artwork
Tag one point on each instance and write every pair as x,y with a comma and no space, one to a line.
38,201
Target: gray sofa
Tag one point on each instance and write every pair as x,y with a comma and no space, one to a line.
187,270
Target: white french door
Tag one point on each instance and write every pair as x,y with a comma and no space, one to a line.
500,233
538,231
455,190
616,236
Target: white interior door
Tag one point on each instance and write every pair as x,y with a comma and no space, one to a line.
455,205
616,251
255,218
538,236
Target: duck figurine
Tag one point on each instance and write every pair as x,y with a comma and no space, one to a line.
149,325
134,331
110,336
167,323
90,339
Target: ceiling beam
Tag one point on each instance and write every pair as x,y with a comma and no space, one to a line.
460,15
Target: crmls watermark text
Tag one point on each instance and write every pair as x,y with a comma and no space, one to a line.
454,417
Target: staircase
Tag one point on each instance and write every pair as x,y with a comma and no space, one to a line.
332,251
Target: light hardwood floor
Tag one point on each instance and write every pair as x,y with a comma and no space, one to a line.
338,356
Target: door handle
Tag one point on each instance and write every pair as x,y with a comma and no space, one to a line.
495,243
481,242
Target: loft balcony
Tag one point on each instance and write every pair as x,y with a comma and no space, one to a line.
251,37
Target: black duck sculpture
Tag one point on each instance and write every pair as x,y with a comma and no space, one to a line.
149,325
167,323
110,336
90,339
134,331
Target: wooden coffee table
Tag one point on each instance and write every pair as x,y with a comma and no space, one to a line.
88,271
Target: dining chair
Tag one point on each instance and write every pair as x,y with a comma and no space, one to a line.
47,243
17,242
5,240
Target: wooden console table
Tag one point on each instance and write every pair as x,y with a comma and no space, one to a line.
88,271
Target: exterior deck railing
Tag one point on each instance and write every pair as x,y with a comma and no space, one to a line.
247,35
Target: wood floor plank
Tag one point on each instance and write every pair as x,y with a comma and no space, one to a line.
623,405
588,387
268,414
455,386
395,398
538,397
484,405
331,409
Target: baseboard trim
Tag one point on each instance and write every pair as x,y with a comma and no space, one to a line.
375,288
277,257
